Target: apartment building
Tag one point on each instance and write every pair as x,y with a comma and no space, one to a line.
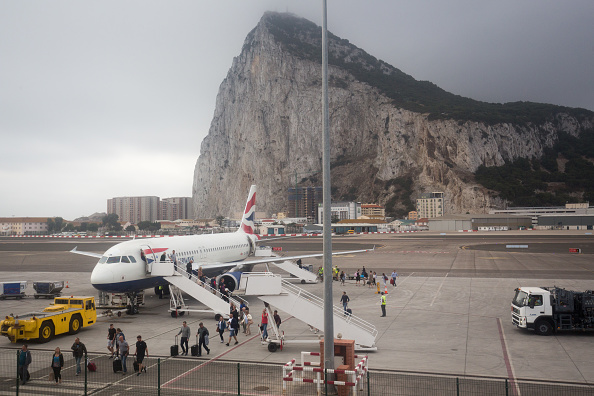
134,209
23,225
430,205
373,211
303,202
176,208
341,210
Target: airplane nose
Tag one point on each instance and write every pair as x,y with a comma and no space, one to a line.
101,277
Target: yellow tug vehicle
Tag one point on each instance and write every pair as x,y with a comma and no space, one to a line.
65,316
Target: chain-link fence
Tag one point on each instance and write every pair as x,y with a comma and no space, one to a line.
185,375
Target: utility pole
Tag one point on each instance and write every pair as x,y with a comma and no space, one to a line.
328,311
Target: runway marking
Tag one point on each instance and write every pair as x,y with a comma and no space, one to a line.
438,289
492,258
508,364
414,251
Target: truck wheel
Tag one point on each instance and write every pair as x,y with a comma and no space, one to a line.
272,347
543,327
217,317
46,332
173,314
75,324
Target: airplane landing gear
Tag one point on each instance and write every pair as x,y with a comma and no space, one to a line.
132,308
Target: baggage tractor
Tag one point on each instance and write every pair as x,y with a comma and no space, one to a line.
117,364
175,348
136,365
194,348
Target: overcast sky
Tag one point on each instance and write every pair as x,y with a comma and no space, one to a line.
100,99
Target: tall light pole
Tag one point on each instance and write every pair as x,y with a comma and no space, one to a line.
327,221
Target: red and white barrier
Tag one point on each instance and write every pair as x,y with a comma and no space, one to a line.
293,373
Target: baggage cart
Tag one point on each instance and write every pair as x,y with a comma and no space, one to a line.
12,289
48,289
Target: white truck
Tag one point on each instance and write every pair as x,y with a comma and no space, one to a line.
551,309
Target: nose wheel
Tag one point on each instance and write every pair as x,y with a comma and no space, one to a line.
132,308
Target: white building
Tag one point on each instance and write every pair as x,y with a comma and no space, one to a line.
341,210
430,205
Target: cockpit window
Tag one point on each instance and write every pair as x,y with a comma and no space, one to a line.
132,259
113,260
125,259
102,260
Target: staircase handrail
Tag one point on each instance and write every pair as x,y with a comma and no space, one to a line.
197,280
356,321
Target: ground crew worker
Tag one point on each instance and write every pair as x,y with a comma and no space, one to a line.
383,304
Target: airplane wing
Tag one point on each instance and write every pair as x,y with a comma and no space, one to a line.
91,254
211,266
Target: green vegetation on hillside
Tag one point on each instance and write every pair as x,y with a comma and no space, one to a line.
302,38
541,182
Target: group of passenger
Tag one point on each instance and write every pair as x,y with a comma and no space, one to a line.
79,351
120,349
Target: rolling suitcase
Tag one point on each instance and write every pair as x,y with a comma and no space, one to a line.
349,312
194,348
174,348
117,364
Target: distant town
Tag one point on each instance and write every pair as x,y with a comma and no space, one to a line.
153,215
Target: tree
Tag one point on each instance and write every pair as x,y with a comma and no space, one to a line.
83,227
144,225
93,227
219,220
69,227
154,226
130,228
111,222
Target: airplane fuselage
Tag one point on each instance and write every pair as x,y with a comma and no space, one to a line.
124,267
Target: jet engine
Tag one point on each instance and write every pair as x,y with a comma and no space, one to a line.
230,279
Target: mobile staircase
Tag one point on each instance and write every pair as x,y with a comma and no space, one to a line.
305,306
180,280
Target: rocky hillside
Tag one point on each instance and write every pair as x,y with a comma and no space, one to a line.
392,137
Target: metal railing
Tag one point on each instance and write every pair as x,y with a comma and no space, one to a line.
179,376
351,319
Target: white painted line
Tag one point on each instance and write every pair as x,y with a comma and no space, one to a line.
438,289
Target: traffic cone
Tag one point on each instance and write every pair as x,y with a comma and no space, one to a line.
67,285
386,289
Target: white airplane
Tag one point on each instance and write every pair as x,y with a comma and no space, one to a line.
123,268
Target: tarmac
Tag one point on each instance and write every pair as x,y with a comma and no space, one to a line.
449,314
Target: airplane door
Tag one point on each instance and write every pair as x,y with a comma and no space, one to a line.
150,256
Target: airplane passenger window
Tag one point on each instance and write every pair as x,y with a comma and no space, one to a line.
113,260
125,259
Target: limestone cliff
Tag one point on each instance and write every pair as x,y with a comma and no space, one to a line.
389,142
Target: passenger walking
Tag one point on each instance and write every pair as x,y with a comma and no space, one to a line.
394,276
57,364
141,351
221,326
277,318
342,278
111,339
357,278
264,323
249,321
383,304
119,333
185,335
189,268
202,339
24,361
124,352
233,327
344,299
173,258
79,350
243,319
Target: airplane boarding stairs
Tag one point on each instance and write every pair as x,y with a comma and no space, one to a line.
200,291
307,307
293,269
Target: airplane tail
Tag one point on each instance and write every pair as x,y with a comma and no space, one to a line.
247,221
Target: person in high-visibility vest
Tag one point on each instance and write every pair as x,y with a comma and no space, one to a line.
383,304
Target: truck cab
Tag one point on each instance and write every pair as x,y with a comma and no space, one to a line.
531,309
